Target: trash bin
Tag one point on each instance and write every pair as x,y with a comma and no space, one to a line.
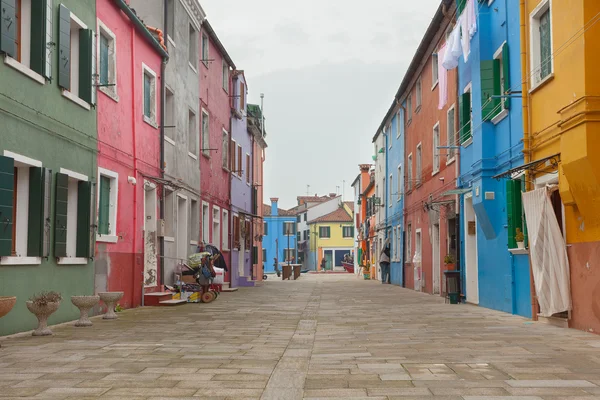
287,271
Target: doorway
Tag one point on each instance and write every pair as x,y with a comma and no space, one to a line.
150,251
328,259
471,267
435,270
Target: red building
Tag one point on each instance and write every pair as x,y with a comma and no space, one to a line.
431,161
215,129
129,59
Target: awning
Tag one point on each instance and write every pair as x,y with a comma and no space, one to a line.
455,192
532,166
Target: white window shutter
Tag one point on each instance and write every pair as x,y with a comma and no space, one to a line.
49,47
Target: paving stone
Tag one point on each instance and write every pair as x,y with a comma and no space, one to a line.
550,384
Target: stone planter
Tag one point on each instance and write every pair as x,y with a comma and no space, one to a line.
520,245
84,303
110,298
6,304
42,312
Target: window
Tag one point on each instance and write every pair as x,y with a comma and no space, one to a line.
298,236
289,228
225,230
434,70
169,115
409,178
108,194
348,232
541,43
236,231
216,226
205,44
409,109
239,161
288,254
233,155
247,168
391,189
205,134
242,102
419,164
72,224
409,244
169,214
399,188
324,232
451,124
418,242
149,96
419,94
182,227
225,76
514,210
265,229
225,150
305,235
298,218
205,223
193,48
465,117
494,84
192,135
436,150
194,222
171,16
305,217
394,250
400,123
107,45
264,253
25,203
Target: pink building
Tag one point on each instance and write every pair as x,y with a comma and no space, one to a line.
128,65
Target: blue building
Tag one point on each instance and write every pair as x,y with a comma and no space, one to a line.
495,274
279,238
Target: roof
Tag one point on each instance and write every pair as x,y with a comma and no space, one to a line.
213,35
339,215
280,212
350,204
356,180
314,199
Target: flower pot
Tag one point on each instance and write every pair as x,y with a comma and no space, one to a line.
451,267
520,245
110,298
84,303
6,304
42,312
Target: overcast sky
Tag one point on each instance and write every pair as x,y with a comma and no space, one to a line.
329,70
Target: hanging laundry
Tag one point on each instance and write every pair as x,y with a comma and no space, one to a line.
453,50
465,40
442,76
455,40
471,18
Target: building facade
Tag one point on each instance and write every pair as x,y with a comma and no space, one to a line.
332,237
279,236
379,206
47,98
129,64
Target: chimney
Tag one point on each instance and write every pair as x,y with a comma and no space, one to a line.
332,195
274,209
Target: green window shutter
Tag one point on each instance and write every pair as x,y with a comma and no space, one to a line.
7,188
84,200
60,215
49,39
35,231
465,117
86,38
490,86
104,206
545,45
460,6
254,255
264,251
506,74
38,36
8,27
514,210
64,48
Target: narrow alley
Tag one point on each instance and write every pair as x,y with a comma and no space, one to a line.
322,336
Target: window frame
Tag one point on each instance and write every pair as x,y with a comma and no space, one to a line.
409,182
192,133
216,223
152,119
469,89
205,145
206,221
111,237
195,222
351,235
503,113
70,93
409,109
171,122
399,193
225,228
418,94
419,165
390,187
435,70
286,230
436,151
205,49
408,253
112,78
328,232
535,57
170,196
193,47
225,150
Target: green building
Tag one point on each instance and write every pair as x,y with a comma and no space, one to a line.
48,151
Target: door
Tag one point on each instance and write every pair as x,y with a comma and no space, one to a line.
328,259
150,239
436,259
471,267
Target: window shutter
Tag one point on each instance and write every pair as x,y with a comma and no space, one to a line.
232,155
35,230
86,39
94,75
265,228
490,86
60,215
460,6
104,206
49,39
465,117
254,200
7,188
8,27
64,48
254,255
38,36
513,210
239,161
84,199
506,73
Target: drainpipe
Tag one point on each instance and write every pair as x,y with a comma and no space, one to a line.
526,133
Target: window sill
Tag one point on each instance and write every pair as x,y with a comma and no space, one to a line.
170,40
76,99
169,239
434,173
516,252
72,261
467,143
193,68
205,64
225,169
540,84
192,155
450,161
417,109
151,122
11,62
107,238
409,122
503,114
109,93
20,260
169,140
194,242
206,155
434,85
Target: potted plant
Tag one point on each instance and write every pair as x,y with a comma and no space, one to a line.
450,262
520,239
43,305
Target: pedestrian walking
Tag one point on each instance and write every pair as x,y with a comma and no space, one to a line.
384,262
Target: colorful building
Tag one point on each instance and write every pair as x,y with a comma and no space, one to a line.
560,44
129,64
331,238
379,206
495,272
279,235
428,98
48,151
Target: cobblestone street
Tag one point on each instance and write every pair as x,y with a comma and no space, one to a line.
316,338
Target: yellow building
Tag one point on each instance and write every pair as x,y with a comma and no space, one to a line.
331,238
561,111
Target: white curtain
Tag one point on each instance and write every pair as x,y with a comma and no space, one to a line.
548,253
